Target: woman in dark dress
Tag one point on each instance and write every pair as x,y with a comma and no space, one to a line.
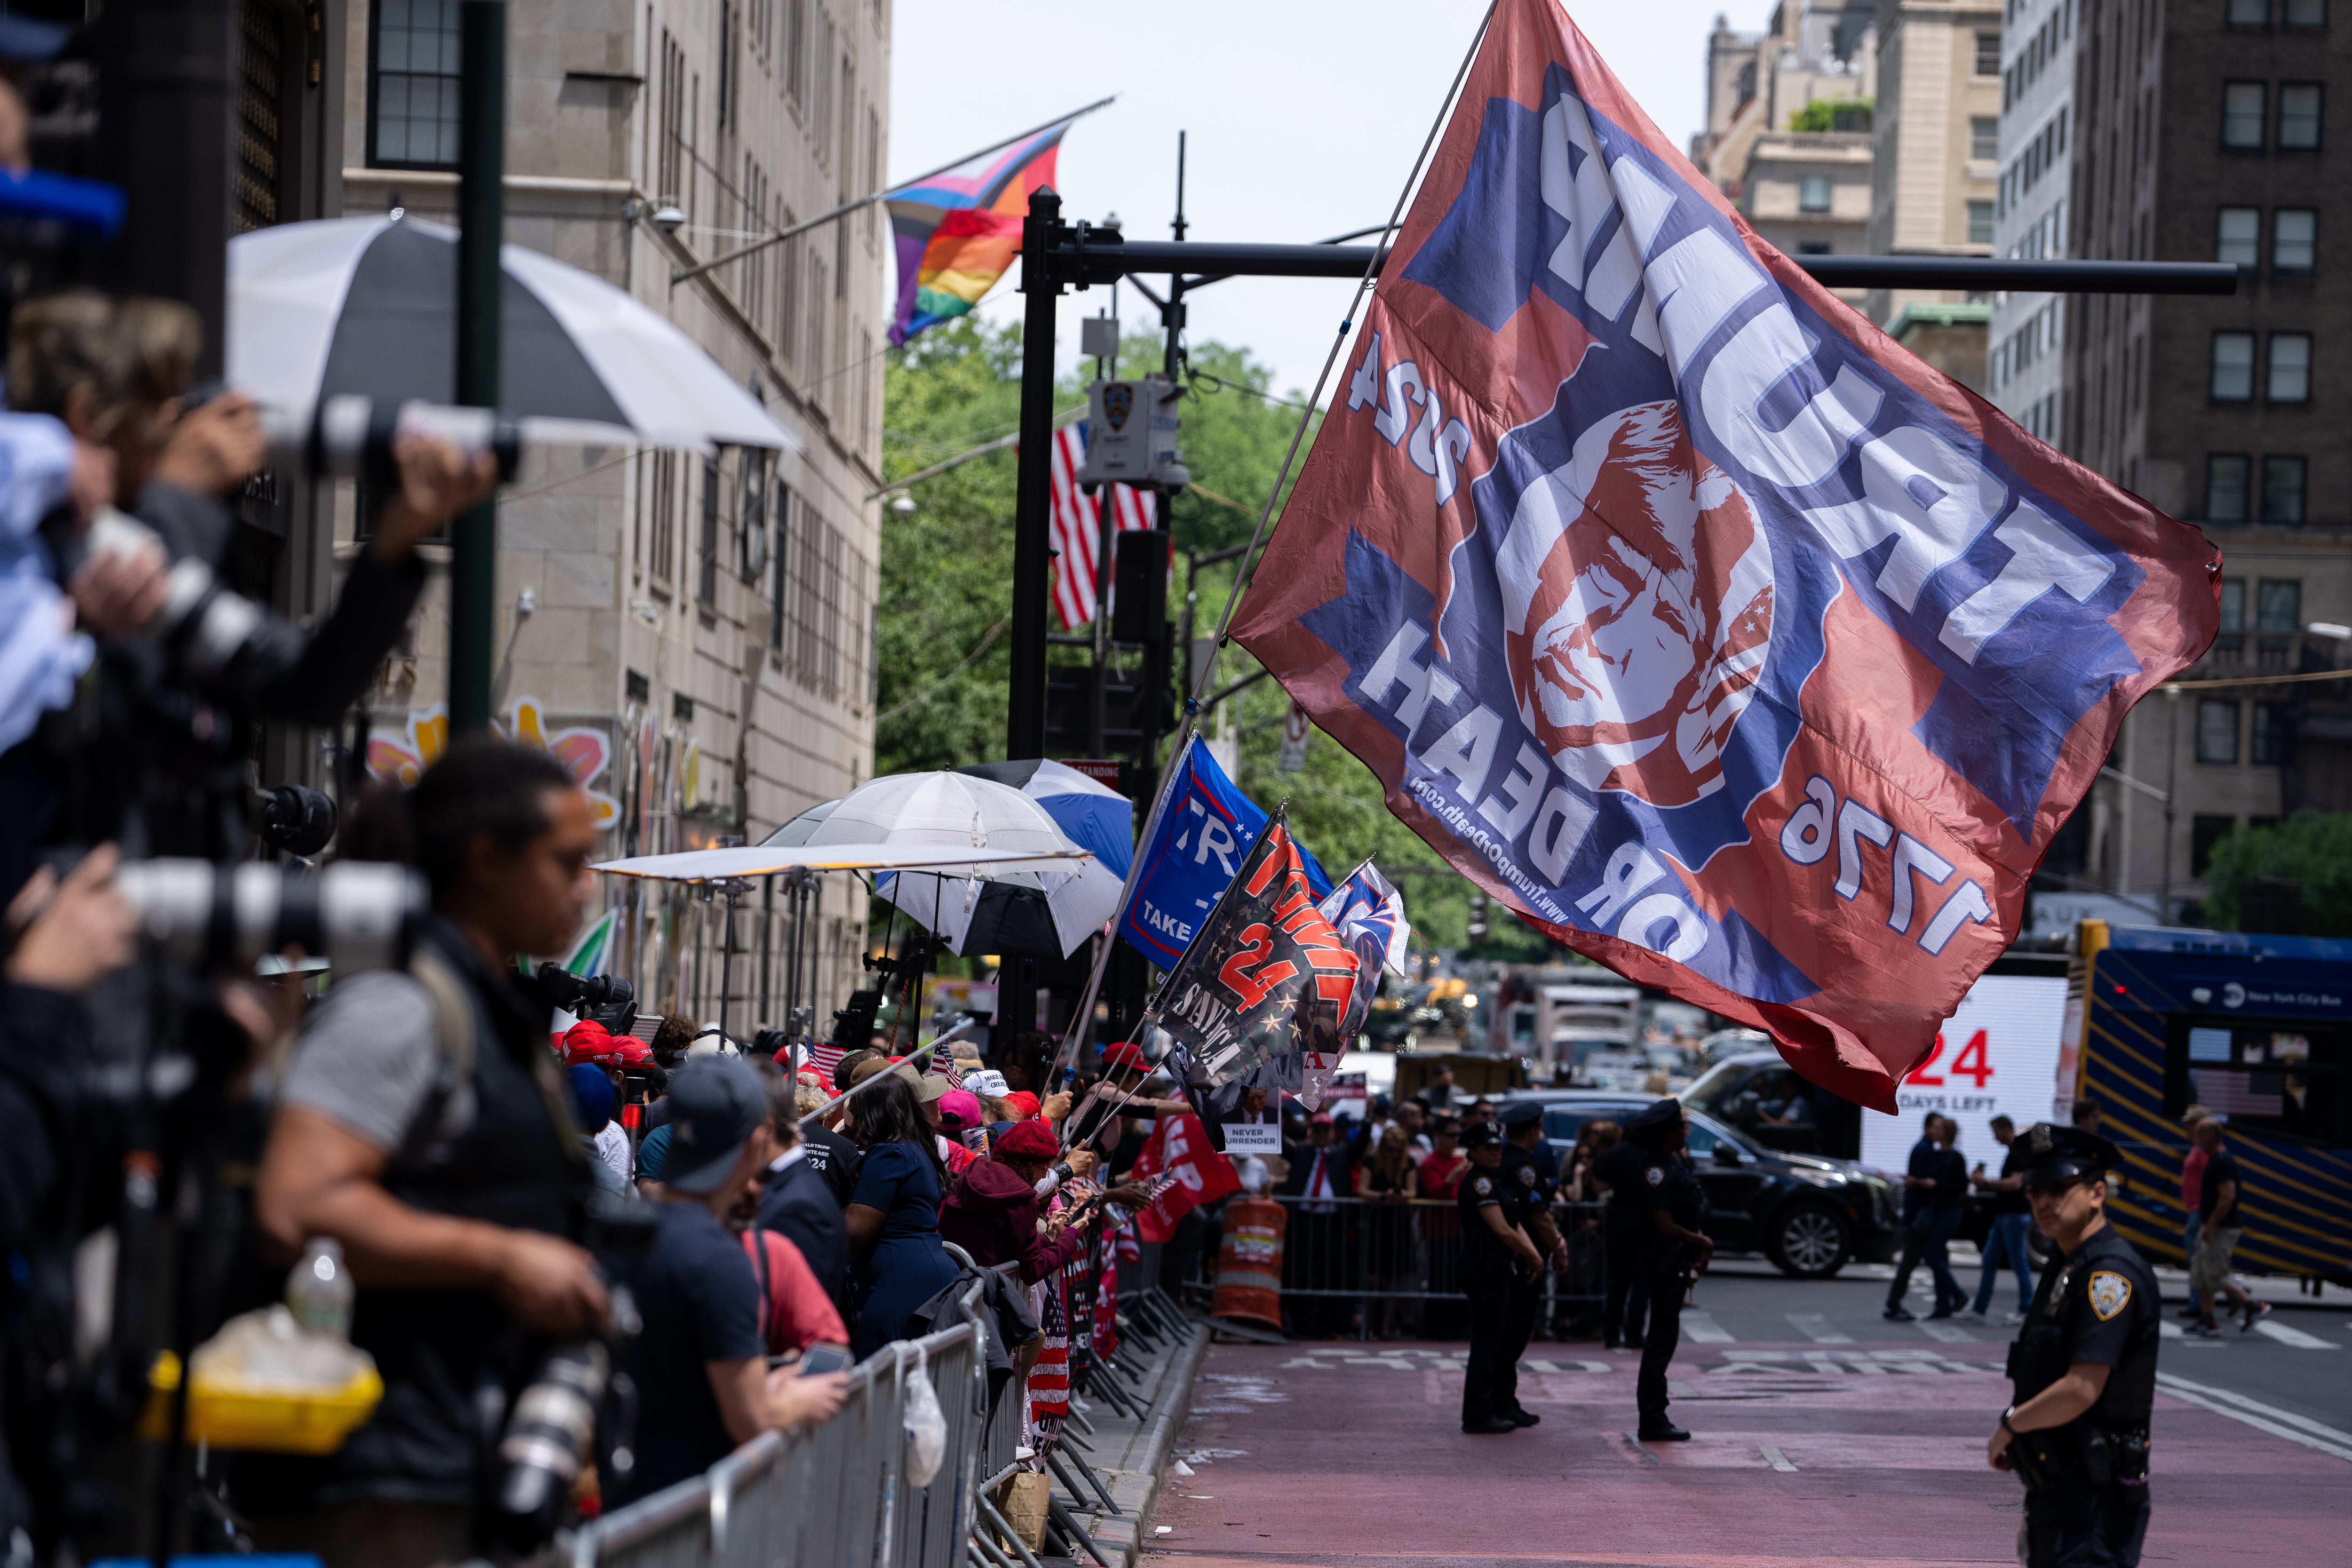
897,1262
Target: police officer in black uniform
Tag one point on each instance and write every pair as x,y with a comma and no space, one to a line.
2084,1367
1524,1172
1495,1256
1675,1252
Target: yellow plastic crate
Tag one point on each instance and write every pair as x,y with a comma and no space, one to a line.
273,1420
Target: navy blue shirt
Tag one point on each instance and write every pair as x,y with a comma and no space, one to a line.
700,1303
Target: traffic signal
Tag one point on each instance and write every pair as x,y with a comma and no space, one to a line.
1477,928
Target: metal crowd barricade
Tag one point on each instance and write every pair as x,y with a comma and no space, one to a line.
1371,1249
838,1493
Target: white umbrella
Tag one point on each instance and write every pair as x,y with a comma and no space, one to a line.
798,829
1014,909
368,306
761,860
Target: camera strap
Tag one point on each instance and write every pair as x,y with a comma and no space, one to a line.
453,1037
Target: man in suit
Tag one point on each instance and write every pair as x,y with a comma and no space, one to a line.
1935,1186
1320,1254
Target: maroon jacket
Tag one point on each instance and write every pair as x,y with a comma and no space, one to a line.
992,1214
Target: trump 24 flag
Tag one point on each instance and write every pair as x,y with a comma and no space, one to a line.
1682,609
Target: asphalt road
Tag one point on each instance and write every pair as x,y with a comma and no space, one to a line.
1825,1437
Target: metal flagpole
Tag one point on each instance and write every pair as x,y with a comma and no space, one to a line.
1084,1017
481,196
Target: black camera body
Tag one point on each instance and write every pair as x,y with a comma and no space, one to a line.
854,1025
607,999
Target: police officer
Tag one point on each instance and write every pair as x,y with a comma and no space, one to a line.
1495,1255
1675,1251
2084,1366
1525,1172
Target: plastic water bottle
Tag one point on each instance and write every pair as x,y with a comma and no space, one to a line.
318,1292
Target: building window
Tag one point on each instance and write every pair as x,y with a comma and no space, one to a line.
1980,222
1988,54
783,556
2205,835
706,577
2245,106
2250,13
414,87
662,546
2294,239
1984,137
2273,736
2238,237
2304,13
2278,604
1814,193
2233,605
2298,128
2217,730
2284,492
2290,378
2225,489
1813,247
2234,367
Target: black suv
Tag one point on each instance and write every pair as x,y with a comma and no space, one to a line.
1809,1215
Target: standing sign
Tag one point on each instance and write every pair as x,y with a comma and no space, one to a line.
1997,1056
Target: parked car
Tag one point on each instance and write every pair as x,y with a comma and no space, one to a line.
1809,1216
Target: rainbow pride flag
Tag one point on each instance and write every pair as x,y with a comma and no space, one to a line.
958,233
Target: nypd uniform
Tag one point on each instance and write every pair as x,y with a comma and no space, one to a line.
2086,1499
1524,1175
1487,1279
1666,1183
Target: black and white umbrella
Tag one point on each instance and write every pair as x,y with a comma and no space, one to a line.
368,306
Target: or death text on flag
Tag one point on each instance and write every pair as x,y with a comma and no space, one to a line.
1205,830
956,234
1077,526
1267,976
1684,610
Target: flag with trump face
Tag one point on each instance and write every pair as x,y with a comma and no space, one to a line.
1681,608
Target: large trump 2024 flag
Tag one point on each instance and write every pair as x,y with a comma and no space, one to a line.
1681,608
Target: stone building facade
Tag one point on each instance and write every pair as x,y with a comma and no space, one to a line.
1935,129
2024,375
2202,134
693,632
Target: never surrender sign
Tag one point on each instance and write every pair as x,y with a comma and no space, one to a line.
1267,974
1682,609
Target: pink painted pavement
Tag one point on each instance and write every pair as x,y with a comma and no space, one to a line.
1338,1455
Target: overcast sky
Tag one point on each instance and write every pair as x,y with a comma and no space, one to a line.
1304,115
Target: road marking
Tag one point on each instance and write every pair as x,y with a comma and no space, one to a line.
1815,1326
2172,1330
1948,1333
2271,1329
1703,1328
1633,1439
1779,1460
2264,1417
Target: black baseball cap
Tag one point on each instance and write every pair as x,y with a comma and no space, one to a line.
716,1104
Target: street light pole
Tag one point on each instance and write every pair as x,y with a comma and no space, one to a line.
1024,709
481,196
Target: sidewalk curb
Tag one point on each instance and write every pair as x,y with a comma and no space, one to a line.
1124,1537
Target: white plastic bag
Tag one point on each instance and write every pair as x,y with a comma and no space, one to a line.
927,1425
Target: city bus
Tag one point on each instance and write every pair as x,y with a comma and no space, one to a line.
2258,1029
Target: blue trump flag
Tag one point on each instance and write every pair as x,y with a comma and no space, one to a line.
1204,834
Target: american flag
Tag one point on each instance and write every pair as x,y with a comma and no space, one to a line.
1049,1377
1106,1335
826,1056
943,1063
2234,1093
1077,526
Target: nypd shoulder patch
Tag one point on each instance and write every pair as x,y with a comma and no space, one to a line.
2110,1294
1656,1175
1483,1185
1527,1176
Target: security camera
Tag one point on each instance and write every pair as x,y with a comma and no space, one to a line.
669,218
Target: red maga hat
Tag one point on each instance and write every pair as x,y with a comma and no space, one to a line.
1024,1102
1123,1054
587,1042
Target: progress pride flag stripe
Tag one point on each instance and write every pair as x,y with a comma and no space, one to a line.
1683,609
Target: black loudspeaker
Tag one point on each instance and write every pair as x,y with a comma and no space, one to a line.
1138,606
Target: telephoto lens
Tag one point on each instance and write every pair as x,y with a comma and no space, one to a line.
547,1439
356,914
295,819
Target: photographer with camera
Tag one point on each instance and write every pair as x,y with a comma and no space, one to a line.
422,1123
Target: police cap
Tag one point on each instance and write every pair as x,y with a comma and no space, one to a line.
1479,1134
1519,1113
1655,1117
2059,1154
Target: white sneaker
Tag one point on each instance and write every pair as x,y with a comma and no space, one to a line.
2012,1318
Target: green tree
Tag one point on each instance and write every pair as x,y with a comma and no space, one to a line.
2311,847
1848,113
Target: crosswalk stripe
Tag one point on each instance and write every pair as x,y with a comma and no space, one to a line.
1948,1333
2264,1417
1703,1328
1779,1460
1815,1326
2272,1328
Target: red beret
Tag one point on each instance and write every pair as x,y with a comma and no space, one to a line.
1027,1141
1123,1054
